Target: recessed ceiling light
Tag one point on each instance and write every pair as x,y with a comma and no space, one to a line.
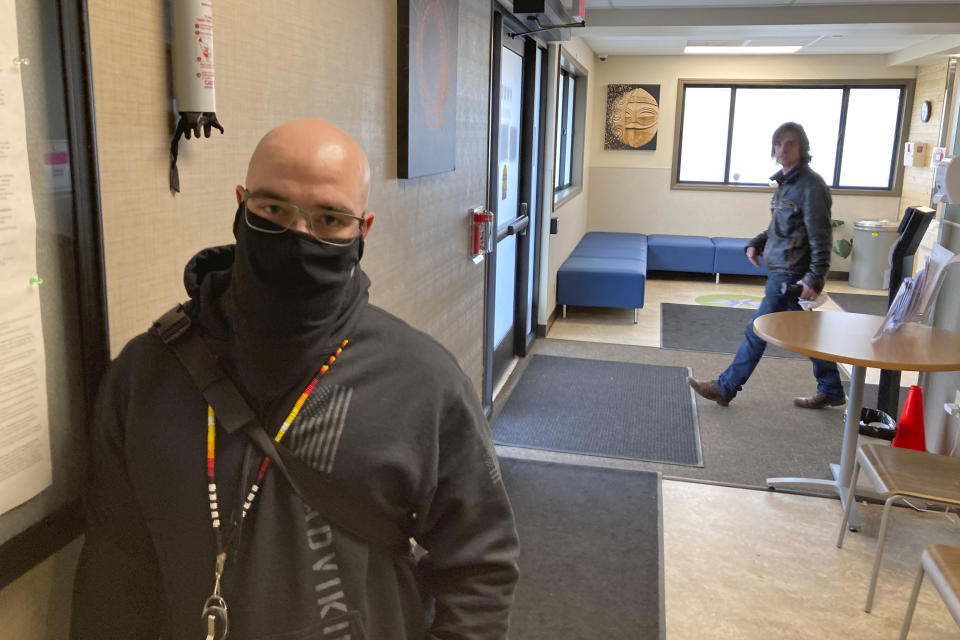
741,50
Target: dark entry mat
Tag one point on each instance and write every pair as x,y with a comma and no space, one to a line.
760,435
704,328
861,303
591,554
602,408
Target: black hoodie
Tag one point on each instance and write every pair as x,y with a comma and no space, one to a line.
395,419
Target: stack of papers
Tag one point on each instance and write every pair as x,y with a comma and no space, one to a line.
915,297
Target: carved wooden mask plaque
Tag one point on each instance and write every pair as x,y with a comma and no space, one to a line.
633,115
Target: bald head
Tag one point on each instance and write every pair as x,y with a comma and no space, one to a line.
311,163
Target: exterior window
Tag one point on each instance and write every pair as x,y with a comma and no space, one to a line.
566,99
854,132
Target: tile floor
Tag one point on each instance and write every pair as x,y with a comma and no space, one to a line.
758,565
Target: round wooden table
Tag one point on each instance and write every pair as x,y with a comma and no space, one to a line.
848,338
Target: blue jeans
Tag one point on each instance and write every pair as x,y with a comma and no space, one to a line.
752,347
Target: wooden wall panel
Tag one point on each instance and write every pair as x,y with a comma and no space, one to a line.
918,181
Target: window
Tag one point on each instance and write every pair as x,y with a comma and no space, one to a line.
570,126
854,131
566,94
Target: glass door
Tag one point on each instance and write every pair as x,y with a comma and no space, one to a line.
515,161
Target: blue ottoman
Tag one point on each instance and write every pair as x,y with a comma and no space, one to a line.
605,270
606,244
730,258
680,253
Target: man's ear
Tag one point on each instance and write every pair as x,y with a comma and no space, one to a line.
367,223
240,191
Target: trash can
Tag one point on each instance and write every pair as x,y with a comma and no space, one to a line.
870,257
877,424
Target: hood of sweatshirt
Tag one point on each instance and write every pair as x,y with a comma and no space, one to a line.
271,340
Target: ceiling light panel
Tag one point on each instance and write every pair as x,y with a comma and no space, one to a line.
739,51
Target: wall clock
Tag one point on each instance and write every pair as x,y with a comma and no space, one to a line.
925,111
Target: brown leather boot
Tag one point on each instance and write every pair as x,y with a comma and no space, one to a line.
819,401
709,390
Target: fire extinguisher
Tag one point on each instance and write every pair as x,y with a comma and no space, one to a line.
193,75
481,233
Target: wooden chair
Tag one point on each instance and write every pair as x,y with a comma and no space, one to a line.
942,563
896,474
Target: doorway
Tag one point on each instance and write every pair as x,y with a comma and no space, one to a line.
514,186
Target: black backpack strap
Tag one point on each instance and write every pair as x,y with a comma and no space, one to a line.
351,513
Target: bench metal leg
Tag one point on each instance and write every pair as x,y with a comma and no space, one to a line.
881,539
564,311
635,316
718,278
908,616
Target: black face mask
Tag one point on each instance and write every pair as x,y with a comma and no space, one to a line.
293,299
293,262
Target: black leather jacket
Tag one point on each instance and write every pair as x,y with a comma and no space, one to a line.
800,235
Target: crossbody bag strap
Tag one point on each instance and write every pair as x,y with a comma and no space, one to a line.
351,513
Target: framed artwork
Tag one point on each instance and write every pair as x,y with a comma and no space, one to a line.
426,86
633,115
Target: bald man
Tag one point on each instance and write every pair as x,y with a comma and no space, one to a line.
190,533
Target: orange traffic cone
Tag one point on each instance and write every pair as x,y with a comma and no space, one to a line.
910,425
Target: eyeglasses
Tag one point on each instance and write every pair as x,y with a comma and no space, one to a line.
271,215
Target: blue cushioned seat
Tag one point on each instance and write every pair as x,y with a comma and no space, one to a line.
601,282
609,269
605,270
680,253
731,258
609,244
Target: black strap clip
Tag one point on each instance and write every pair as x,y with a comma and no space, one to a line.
172,325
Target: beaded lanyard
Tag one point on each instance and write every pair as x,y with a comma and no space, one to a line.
215,608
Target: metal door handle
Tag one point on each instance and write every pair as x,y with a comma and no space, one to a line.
515,226
518,225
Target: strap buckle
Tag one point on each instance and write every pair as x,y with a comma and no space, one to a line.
172,325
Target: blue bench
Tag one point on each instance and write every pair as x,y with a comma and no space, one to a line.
605,270
730,258
608,269
680,253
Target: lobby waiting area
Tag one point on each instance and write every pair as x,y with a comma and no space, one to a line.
739,559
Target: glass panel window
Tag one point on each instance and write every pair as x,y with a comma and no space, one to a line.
869,138
706,112
565,101
859,124
560,132
568,128
759,112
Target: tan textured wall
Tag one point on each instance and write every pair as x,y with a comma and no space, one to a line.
36,606
918,181
335,60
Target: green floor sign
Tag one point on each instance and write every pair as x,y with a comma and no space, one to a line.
729,300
